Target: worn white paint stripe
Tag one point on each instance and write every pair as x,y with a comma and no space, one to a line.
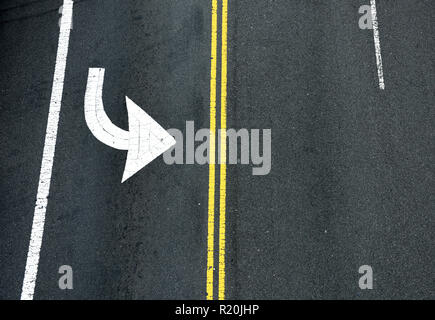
48,155
377,45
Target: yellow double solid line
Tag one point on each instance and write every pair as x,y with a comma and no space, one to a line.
222,153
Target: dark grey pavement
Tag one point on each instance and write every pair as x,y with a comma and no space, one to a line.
353,167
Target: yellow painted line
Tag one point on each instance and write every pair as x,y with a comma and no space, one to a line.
212,165
223,152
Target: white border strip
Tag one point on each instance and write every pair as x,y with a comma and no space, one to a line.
377,45
48,155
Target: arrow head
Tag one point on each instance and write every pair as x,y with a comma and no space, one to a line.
147,140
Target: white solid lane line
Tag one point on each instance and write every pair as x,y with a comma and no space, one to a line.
377,45
48,155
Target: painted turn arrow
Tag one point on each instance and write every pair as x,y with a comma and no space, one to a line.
145,140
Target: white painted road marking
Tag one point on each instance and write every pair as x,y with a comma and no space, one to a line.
145,140
377,45
48,155
96,118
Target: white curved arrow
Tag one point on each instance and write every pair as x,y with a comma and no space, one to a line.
145,140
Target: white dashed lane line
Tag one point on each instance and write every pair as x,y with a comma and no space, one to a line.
377,45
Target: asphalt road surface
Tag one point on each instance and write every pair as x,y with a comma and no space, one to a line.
352,181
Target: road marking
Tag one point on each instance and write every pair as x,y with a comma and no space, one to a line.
96,118
145,140
223,152
212,165
32,262
377,45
